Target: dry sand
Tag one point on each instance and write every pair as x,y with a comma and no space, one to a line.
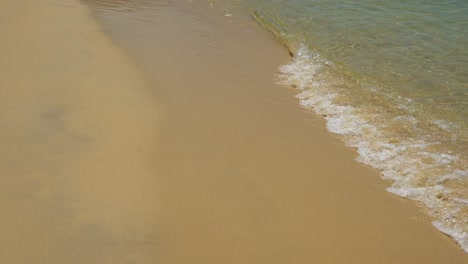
77,122
194,155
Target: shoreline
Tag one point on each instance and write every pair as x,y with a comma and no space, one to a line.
215,72
169,142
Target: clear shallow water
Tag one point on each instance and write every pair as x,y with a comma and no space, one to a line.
390,77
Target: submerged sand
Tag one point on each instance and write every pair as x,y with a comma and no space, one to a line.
190,155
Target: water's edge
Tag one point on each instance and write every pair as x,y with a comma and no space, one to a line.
321,91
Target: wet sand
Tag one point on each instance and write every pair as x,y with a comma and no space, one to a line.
178,149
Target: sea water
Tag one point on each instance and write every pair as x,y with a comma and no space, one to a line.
391,77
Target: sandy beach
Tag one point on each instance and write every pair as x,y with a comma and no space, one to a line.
155,132
77,122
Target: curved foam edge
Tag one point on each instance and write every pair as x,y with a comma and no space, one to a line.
416,166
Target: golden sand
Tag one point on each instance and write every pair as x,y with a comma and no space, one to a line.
194,156
77,122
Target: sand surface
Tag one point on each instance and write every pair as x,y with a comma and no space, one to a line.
178,149
77,121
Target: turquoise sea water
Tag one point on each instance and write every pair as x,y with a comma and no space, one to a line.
391,77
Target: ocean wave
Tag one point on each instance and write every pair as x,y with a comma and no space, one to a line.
390,135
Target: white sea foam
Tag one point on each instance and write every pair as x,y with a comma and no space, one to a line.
460,237
461,200
392,141
443,124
